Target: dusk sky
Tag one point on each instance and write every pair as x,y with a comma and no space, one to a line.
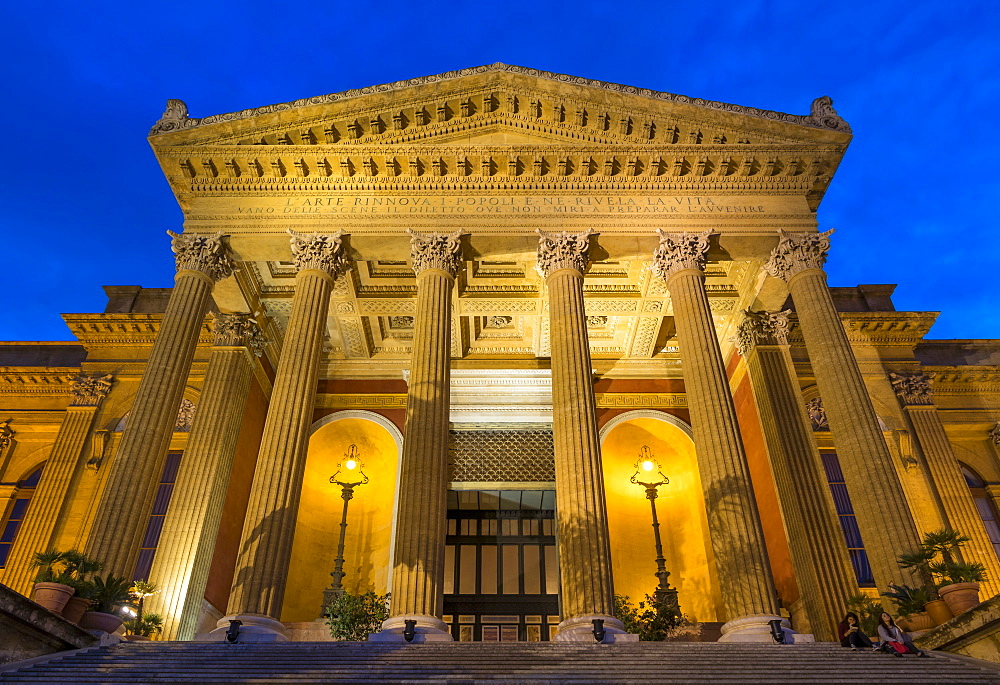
915,201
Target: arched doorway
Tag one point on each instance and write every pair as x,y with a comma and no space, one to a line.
680,508
371,517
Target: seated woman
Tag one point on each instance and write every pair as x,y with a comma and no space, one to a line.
849,632
894,640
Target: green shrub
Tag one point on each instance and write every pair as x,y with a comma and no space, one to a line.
147,626
111,593
868,610
354,617
651,620
908,600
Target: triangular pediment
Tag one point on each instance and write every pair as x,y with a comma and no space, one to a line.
500,105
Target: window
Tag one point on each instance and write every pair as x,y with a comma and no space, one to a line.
848,522
17,512
155,526
984,503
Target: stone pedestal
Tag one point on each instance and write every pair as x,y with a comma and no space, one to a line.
734,524
187,543
587,590
266,545
876,493
957,506
255,628
822,566
418,564
64,462
134,473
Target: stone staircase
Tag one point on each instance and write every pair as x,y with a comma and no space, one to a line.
649,662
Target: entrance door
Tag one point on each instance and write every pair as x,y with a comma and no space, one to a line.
501,579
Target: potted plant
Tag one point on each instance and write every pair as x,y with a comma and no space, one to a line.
142,628
910,603
959,583
868,610
920,561
79,569
51,589
111,593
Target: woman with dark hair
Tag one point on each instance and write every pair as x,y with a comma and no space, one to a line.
850,633
894,640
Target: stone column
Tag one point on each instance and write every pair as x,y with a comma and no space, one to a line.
187,542
958,509
132,479
47,504
418,564
737,537
262,566
822,565
883,516
587,588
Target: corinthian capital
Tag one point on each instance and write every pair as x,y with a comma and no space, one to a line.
563,251
797,252
679,251
761,328
239,330
318,251
204,253
88,391
436,251
912,388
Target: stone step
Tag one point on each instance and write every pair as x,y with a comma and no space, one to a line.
319,662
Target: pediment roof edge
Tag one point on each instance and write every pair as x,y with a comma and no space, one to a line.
822,115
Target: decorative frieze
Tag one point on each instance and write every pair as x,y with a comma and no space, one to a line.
322,252
797,252
817,414
761,328
678,251
88,391
912,389
563,251
204,253
436,251
239,330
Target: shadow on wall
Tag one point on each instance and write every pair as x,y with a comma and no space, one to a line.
681,511
317,523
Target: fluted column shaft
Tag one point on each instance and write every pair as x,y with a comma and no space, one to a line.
584,546
48,502
135,471
418,566
876,493
262,566
734,523
187,542
823,570
958,506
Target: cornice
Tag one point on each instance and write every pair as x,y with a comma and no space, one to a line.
958,380
114,330
881,328
27,380
822,116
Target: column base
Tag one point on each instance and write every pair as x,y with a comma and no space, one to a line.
428,629
581,629
255,628
757,629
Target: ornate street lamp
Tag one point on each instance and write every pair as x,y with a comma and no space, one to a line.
350,467
648,475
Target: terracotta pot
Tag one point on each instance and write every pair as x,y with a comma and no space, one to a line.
52,596
75,608
938,611
135,638
98,620
960,596
915,622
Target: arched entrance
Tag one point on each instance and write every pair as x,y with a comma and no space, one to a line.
680,508
371,521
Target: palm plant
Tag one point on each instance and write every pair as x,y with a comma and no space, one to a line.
78,571
944,542
111,593
908,600
920,560
147,626
142,589
51,567
868,610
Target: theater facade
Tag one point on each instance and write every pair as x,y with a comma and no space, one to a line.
497,291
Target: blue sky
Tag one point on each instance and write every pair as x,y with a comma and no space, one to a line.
84,203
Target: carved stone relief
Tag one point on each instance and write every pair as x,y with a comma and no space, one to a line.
88,391
912,389
436,251
761,328
678,251
817,414
204,253
797,252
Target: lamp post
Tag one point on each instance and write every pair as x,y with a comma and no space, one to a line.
647,467
350,466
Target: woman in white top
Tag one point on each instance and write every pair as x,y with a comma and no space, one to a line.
894,640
